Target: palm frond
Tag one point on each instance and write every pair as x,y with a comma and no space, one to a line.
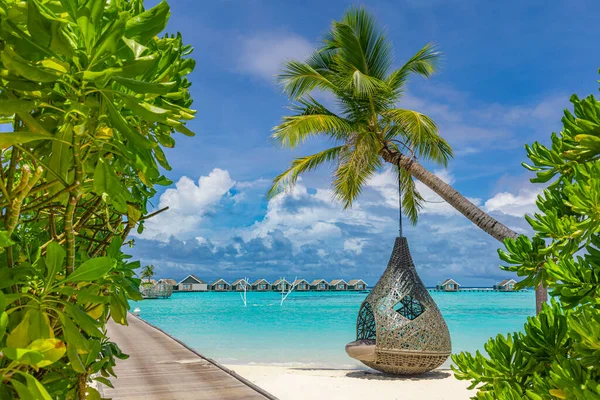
312,119
300,165
423,63
412,201
375,47
420,133
366,86
356,166
299,78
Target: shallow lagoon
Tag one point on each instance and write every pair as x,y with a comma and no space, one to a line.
313,328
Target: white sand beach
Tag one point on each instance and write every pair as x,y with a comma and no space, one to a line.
301,383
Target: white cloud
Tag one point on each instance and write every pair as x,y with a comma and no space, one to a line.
354,245
262,55
386,184
305,217
514,205
188,203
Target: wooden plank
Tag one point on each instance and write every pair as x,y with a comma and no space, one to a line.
160,367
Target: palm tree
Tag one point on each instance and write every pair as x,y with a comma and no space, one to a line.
147,272
354,65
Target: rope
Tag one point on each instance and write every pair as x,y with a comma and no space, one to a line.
399,207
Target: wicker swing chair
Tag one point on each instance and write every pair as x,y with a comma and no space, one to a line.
400,329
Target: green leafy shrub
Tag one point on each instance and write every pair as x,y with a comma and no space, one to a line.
557,356
92,95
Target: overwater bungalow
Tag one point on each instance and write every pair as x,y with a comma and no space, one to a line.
338,284
319,284
507,285
192,284
168,281
261,285
449,285
238,285
163,289
301,285
280,284
220,285
357,284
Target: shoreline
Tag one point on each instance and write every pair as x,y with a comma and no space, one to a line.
299,381
356,383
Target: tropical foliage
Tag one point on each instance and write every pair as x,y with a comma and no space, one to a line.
557,356
91,95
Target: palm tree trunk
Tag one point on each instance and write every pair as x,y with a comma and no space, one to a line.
476,215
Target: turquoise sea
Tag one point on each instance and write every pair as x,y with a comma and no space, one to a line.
313,328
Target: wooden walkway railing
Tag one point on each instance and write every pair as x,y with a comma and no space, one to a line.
160,367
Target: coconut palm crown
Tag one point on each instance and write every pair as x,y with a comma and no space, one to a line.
354,64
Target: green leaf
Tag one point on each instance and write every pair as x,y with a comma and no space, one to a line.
2,302
3,324
19,336
21,67
73,336
74,359
62,156
136,139
33,389
38,26
23,356
8,139
87,323
51,350
148,24
92,394
147,111
39,325
55,256
111,38
91,270
118,310
114,249
142,87
107,182
5,240
10,107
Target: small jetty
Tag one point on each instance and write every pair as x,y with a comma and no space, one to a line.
160,367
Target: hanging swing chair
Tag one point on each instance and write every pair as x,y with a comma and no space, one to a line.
400,329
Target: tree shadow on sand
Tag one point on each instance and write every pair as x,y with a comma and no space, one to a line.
428,376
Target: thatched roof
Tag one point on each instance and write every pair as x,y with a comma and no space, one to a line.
278,281
317,281
299,281
256,282
506,282
220,280
237,281
336,282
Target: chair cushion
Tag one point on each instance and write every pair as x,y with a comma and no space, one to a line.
362,350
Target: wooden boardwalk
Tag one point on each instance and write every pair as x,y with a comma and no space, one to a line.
162,368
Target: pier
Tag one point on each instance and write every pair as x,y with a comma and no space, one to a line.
160,367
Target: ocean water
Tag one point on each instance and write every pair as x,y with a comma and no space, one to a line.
313,328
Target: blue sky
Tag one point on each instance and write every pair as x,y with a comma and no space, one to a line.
509,69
